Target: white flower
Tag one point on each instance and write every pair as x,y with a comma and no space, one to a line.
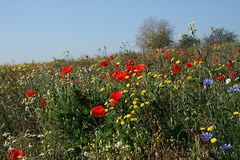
228,80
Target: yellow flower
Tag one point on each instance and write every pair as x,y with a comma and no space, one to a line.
137,84
189,78
202,128
122,123
210,128
102,89
132,112
134,74
139,77
135,106
133,119
128,85
142,105
149,73
106,103
235,113
172,59
143,92
132,94
127,116
160,84
213,140
146,102
167,81
125,91
134,102
177,62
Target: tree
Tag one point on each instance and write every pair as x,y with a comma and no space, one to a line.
220,35
155,34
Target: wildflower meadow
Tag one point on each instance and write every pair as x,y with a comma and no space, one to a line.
168,103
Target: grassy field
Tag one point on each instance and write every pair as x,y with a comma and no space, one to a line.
161,104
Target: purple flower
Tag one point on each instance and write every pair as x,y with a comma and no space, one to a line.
225,147
206,136
207,82
234,88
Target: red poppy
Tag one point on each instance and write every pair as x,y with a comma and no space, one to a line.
199,59
129,64
98,111
176,68
111,57
122,75
29,93
180,53
15,154
233,74
116,95
104,63
66,70
189,64
167,57
217,59
229,65
139,68
220,78
42,102
237,51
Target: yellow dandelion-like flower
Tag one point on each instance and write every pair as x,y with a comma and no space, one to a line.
202,128
133,119
213,140
143,92
132,94
236,113
189,78
122,122
126,77
102,89
106,110
125,91
106,103
136,99
128,85
126,101
142,105
127,116
139,77
155,75
135,107
210,128
132,112
134,102
175,86
137,84
177,62
160,84
146,102
167,81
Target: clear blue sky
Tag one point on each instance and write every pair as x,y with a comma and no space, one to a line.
41,30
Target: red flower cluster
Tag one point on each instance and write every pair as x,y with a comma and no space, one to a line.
130,69
98,111
30,93
15,154
66,70
115,97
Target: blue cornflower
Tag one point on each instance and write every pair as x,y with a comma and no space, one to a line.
207,82
234,88
206,136
225,147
